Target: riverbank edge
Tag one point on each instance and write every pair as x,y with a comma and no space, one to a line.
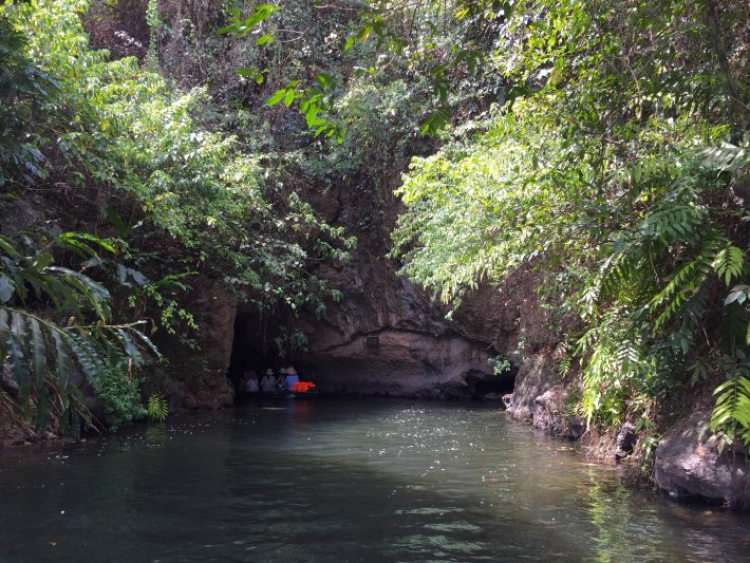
687,464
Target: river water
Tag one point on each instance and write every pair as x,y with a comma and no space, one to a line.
342,481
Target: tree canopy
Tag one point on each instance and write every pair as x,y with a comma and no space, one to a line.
620,174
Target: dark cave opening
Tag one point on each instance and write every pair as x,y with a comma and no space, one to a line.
499,385
482,386
250,348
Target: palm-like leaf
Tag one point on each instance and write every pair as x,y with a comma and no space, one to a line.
30,344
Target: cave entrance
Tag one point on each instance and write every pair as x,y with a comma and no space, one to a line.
491,387
251,349
499,385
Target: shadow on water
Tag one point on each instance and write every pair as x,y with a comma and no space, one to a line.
341,481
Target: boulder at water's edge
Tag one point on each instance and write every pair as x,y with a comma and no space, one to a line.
689,466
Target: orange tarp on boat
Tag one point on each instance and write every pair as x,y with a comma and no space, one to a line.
303,387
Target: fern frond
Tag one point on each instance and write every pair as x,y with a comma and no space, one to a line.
95,294
62,362
685,283
726,157
157,408
4,330
729,263
87,356
731,414
16,358
147,341
673,223
586,342
130,348
24,343
38,353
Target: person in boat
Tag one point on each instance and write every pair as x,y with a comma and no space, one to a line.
290,378
280,387
242,383
252,382
268,383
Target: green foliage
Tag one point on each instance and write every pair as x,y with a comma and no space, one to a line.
727,157
314,94
609,173
183,198
22,87
153,21
42,349
441,43
600,143
499,364
118,391
731,415
157,408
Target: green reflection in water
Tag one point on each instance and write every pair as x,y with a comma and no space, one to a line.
342,481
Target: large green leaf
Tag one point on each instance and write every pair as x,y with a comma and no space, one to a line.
78,243
4,330
43,407
62,361
7,288
130,348
13,270
41,261
86,357
96,294
15,349
147,341
6,246
38,353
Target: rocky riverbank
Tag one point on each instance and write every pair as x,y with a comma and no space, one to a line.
688,463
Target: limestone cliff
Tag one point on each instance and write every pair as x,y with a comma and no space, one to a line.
388,338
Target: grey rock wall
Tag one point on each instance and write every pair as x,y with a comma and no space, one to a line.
402,364
540,397
412,350
689,466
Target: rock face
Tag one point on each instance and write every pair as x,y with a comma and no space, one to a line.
402,364
689,466
419,353
26,214
510,317
626,441
540,396
388,338
199,379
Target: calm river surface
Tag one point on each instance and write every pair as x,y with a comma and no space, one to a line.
342,481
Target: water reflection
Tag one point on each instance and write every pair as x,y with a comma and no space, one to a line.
342,481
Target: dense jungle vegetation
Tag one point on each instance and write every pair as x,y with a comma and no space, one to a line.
603,144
